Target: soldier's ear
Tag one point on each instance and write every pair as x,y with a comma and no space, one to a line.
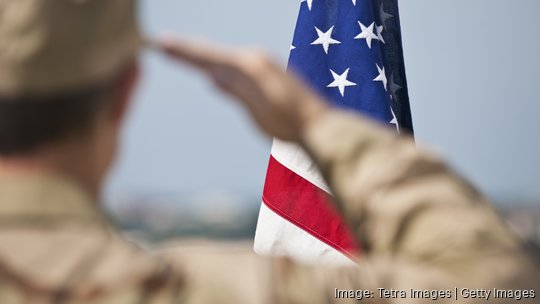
124,91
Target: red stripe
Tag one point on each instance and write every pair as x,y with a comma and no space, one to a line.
307,206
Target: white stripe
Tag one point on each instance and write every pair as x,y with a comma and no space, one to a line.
296,159
276,236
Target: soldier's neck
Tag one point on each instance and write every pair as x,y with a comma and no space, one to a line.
70,160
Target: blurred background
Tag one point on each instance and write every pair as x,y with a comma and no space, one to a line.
192,164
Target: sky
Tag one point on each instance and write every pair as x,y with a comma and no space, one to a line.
473,72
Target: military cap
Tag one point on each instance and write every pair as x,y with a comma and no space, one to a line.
49,46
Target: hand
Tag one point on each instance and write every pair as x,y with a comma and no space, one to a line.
280,104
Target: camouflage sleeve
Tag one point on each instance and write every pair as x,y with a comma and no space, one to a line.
418,222
396,198
420,225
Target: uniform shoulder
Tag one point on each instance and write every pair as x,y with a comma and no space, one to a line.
80,263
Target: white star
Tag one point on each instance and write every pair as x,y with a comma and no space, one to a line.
325,39
354,2
309,3
394,120
381,77
340,81
380,29
292,47
367,33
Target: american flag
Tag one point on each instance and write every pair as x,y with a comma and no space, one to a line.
350,51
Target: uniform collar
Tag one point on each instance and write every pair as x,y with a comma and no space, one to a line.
45,198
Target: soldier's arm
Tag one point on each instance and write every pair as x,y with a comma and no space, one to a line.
420,225
399,200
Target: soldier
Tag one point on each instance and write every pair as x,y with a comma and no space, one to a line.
67,70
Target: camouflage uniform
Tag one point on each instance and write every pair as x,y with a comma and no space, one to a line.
420,225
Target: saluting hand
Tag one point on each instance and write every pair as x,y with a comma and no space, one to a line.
280,104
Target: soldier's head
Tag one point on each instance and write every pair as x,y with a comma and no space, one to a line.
67,68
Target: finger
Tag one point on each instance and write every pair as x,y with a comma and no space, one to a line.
201,54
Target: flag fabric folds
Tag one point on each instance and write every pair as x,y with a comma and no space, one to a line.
349,51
